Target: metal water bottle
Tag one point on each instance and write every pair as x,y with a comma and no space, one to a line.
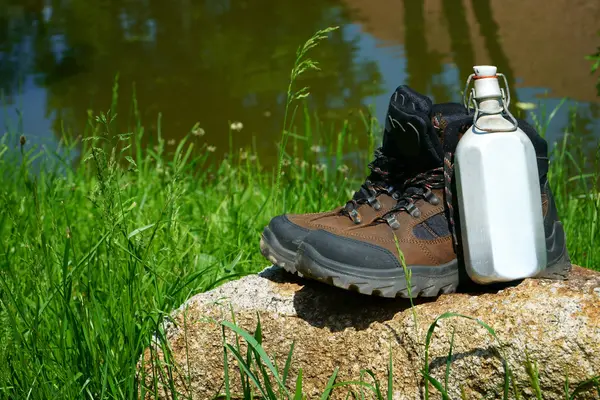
498,188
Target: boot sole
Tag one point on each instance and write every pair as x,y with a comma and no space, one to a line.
560,265
424,282
273,251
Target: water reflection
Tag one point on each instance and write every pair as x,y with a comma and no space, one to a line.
539,46
209,61
215,61
460,40
488,29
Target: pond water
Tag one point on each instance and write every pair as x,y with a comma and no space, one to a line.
214,62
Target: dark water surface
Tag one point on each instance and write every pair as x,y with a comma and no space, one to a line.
215,62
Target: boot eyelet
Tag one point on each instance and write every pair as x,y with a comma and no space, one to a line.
374,203
413,210
431,198
392,221
355,217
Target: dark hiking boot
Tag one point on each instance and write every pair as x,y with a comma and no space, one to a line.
407,132
417,235
558,262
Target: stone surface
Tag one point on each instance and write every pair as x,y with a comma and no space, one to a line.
555,323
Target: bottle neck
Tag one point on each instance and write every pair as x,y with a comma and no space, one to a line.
490,100
488,95
490,106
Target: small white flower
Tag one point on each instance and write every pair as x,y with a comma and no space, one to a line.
316,149
236,126
212,149
198,132
343,168
171,142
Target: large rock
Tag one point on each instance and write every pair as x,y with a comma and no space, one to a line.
554,323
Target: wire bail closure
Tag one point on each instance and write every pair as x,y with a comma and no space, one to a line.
471,103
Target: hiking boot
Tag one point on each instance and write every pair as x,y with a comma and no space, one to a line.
405,138
417,235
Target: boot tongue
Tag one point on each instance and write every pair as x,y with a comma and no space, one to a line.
445,114
411,143
405,122
410,134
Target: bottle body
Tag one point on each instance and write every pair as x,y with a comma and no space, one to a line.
499,200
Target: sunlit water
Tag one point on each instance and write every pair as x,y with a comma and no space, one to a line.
215,62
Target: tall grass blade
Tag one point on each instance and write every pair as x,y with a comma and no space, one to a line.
586,386
390,371
298,392
225,366
288,363
436,384
449,361
534,379
246,369
490,330
256,347
330,383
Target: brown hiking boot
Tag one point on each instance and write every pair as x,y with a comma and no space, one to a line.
417,235
407,133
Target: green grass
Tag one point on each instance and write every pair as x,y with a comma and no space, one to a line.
261,377
94,255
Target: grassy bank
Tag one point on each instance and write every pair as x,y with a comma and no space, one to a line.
94,256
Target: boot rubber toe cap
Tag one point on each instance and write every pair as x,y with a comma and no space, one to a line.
349,256
285,232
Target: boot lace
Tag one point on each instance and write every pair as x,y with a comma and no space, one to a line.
452,133
419,187
385,177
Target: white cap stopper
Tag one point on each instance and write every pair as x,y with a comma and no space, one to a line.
485,70
486,82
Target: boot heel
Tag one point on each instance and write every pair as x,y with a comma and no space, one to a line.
560,267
